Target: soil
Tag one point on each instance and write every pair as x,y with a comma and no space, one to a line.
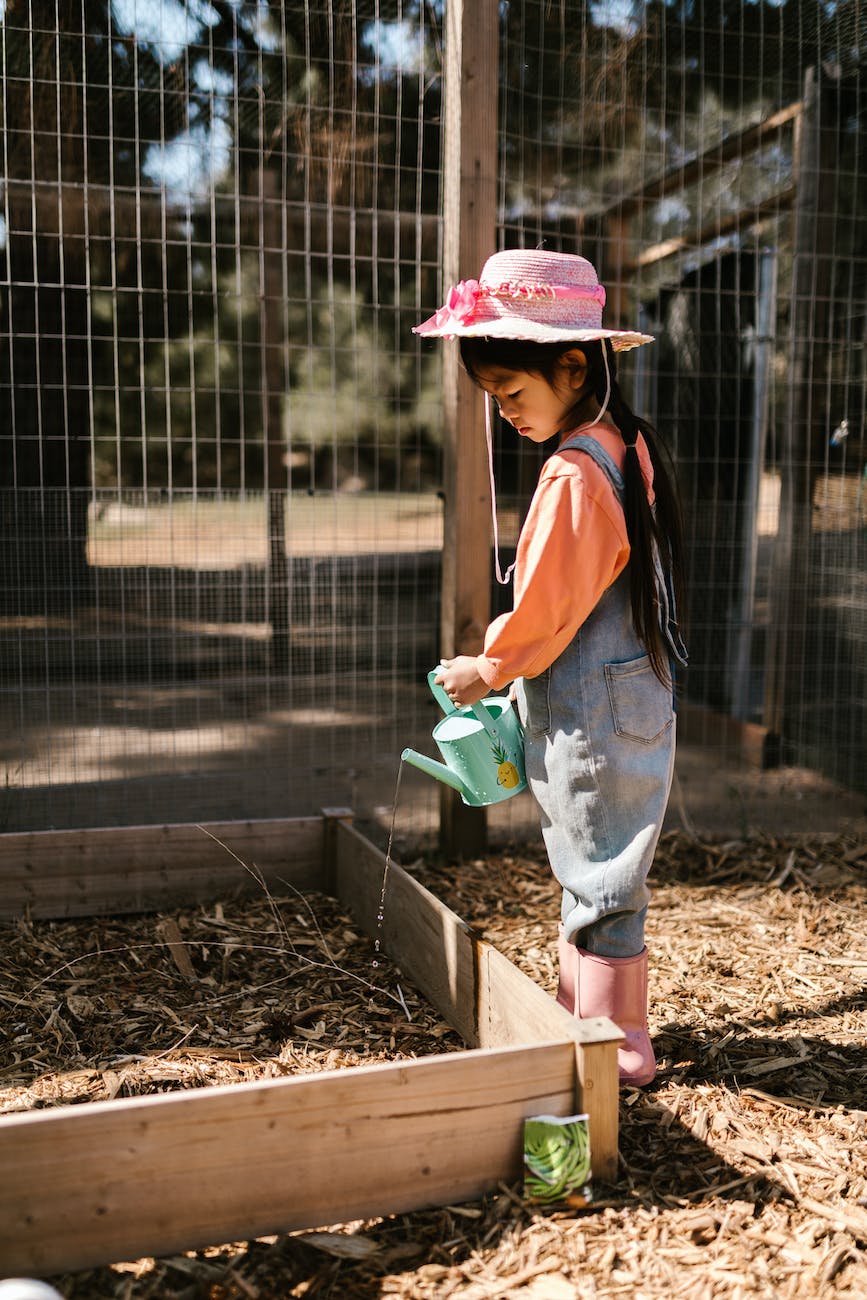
743,1168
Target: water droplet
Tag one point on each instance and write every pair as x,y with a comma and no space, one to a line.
374,963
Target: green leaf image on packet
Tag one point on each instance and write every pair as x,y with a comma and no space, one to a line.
557,1159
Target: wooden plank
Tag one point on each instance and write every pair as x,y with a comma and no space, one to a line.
152,1176
515,1009
433,947
147,868
331,819
599,1093
474,987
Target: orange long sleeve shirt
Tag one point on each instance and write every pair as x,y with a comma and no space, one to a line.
572,547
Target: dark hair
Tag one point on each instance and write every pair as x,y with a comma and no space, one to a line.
650,530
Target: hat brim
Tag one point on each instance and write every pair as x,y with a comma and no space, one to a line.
532,332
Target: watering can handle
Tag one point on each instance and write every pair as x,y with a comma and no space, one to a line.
446,705
439,694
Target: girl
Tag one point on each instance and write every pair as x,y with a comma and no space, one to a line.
592,640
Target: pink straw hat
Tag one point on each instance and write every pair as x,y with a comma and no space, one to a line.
532,294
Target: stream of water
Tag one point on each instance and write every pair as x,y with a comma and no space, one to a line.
380,915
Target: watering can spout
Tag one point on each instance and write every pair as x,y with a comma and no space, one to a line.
437,770
482,745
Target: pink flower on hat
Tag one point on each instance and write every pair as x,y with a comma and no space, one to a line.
459,305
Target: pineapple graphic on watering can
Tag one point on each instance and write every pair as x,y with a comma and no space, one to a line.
482,746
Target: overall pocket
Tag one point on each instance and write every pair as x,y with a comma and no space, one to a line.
641,706
536,711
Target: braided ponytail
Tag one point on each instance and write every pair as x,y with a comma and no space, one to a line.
652,530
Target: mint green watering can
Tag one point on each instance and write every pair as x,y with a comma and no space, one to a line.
483,748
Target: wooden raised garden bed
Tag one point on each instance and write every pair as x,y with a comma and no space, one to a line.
116,1180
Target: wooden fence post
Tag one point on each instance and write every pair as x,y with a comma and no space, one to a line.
469,237
803,430
273,342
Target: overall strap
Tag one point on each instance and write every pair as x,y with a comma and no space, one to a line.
596,452
664,586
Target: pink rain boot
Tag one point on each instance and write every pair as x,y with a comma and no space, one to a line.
617,987
567,989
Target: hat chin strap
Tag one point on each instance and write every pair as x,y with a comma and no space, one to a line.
604,407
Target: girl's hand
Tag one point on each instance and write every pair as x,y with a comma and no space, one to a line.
460,680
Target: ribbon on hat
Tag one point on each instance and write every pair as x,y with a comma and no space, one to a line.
462,298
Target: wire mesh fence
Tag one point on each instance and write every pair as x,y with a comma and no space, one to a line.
221,475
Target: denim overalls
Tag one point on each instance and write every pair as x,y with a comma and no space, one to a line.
599,735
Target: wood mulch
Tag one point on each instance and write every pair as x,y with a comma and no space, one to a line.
743,1169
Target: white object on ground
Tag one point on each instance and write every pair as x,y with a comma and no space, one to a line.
27,1288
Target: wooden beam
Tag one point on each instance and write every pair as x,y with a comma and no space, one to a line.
469,237
98,872
332,817
749,216
90,1185
433,947
736,145
337,229
481,994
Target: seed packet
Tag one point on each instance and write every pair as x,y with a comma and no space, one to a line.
557,1160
